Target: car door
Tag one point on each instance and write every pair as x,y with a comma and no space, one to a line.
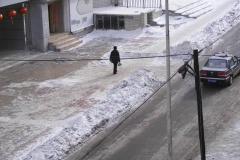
237,62
234,67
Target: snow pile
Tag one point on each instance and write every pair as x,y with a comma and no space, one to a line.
154,31
213,31
176,21
111,33
123,97
208,35
140,84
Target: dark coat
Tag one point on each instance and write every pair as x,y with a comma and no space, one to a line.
114,57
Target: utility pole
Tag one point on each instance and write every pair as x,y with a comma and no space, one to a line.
24,28
199,105
169,120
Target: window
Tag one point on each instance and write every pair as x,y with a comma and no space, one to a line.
110,22
107,22
235,59
231,63
114,22
99,20
216,63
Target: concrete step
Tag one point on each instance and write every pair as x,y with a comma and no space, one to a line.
196,9
57,36
190,7
69,46
198,14
68,39
63,41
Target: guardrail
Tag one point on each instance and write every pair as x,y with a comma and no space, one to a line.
142,3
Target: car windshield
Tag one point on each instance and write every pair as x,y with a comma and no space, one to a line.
216,63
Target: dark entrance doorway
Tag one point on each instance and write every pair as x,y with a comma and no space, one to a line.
114,22
52,17
107,22
121,24
99,24
110,22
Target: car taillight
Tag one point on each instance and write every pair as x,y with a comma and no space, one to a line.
222,74
203,73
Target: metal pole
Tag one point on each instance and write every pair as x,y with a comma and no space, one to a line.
169,121
199,103
70,31
24,29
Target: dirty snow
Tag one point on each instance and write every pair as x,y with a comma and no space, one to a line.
124,95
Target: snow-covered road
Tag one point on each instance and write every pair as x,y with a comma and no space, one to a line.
60,115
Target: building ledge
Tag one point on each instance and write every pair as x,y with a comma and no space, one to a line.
111,10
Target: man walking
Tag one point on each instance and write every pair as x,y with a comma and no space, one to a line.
114,58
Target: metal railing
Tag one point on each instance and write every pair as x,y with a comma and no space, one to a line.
142,3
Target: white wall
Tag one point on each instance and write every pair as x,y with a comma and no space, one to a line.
10,2
81,14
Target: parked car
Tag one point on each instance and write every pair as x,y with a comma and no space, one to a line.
220,68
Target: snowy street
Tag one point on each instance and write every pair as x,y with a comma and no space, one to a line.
143,135
55,103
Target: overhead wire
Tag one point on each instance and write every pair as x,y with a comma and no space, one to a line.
93,59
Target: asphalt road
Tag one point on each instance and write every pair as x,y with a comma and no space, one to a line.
143,136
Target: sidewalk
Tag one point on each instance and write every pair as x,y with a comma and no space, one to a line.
44,100
15,54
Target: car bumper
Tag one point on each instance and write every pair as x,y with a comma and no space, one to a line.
215,80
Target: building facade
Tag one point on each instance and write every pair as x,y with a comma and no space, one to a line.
145,11
34,29
44,17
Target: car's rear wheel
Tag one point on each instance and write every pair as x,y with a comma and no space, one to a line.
230,81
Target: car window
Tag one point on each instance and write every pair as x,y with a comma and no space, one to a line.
235,59
231,63
216,63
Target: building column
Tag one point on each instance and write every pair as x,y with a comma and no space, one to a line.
39,25
63,16
66,17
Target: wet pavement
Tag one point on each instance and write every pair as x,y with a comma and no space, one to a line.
42,93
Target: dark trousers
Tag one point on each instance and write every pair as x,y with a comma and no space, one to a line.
115,67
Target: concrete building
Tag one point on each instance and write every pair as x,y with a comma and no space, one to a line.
125,14
44,18
49,24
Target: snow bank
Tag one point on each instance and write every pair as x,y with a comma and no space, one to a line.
208,35
111,33
215,30
122,98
